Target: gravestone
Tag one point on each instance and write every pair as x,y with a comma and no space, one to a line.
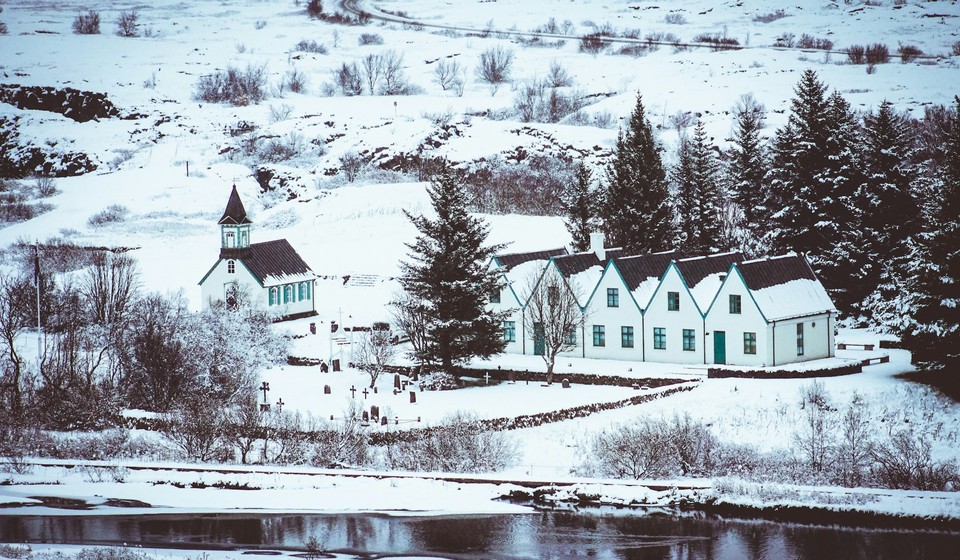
324,368
565,384
366,416
396,381
326,389
313,328
374,411
336,365
383,421
413,397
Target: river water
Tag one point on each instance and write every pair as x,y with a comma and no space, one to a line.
595,534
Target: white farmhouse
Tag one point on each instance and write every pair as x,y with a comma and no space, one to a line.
519,272
674,318
272,273
614,313
770,312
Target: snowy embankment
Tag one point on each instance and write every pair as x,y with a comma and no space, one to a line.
102,488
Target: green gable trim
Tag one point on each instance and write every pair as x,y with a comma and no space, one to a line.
216,264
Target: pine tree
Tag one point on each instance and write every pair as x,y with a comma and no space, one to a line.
841,257
579,208
447,272
635,208
749,163
699,194
933,335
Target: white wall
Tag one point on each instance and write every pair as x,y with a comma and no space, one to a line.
613,318
817,339
688,317
214,288
734,325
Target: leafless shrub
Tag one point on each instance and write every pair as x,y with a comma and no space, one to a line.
905,461
446,73
45,186
635,450
351,164
458,444
240,48
280,112
347,79
909,53
593,43
127,25
370,39
807,41
384,73
311,46
871,68
315,8
877,53
955,49
495,65
558,76
550,27
530,186
277,149
295,81
674,18
259,24
772,16
110,215
87,24
856,54
718,40
787,40
342,442
238,87
635,51
534,101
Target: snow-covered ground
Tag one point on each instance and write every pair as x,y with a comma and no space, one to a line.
359,228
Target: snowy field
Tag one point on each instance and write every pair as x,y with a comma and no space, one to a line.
359,228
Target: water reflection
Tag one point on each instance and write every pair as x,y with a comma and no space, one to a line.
602,535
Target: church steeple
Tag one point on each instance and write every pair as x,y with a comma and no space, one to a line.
234,229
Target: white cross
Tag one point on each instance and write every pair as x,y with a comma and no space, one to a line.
486,377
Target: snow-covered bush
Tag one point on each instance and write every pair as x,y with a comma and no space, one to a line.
905,460
674,18
370,39
877,53
909,53
234,86
87,24
769,17
311,46
315,8
110,215
639,449
495,65
439,381
593,43
341,442
458,444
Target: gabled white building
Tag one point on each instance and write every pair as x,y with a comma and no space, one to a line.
519,274
674,317
615,310
272,273
770,312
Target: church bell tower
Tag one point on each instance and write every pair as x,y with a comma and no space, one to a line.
235,229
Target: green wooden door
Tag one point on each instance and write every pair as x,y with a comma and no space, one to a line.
539,344
719,347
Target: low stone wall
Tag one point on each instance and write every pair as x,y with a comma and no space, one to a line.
848,369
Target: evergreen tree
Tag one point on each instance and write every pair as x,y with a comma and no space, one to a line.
699,194
579,208
635,208
933,335
448,274
840,258
749,163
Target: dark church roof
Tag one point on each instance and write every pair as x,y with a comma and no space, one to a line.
766,273
234,213
508,262
276,262
638,268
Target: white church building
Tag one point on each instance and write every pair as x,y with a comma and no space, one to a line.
271,272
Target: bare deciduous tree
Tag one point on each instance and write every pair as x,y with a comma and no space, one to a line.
14,318
558,76
446,73
495,66
553,315
407,314
347,79
373,353
343,442
110,286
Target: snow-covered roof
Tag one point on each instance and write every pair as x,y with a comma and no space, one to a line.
642,273
704,275
785,287
277,262
521,269
582,271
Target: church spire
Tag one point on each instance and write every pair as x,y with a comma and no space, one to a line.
234,229
235,213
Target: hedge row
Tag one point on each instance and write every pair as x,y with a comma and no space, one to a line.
541,377
716,373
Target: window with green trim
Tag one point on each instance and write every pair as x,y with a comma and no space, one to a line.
626,337
510,331
599,335
613,297
689,340
659,338
274,296
735,304
673,301
231,266
749,343
799,339
572,336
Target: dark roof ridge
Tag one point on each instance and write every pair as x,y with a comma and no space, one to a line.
234,213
